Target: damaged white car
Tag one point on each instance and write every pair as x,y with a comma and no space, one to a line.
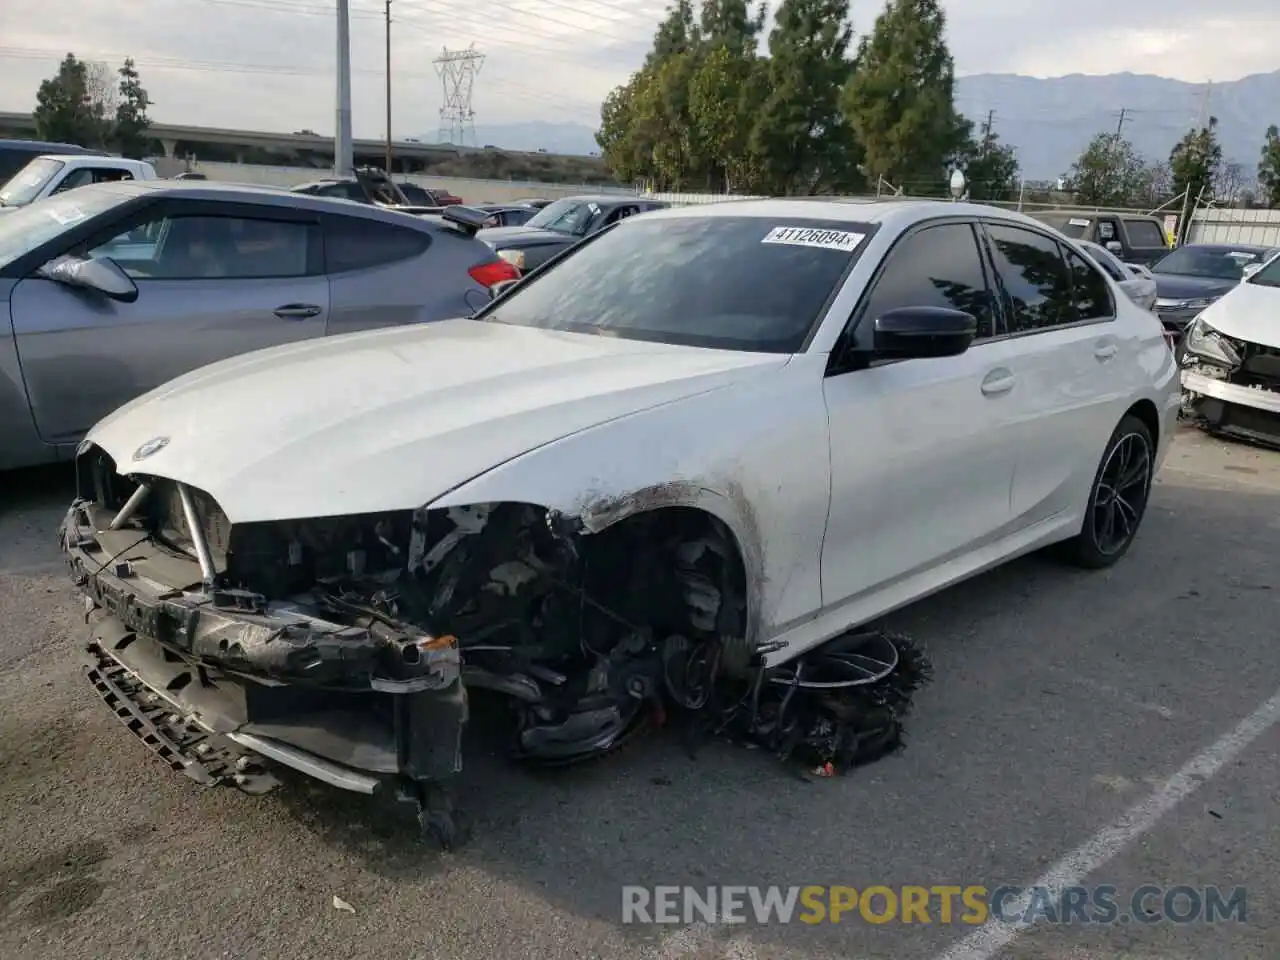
671,474
1231,360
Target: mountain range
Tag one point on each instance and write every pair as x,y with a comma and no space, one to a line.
1049,121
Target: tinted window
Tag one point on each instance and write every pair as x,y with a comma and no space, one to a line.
1035,278
1144,233
935,267
737,283
1268,276
1089,292
353,243
1217,263
1106,261
207,248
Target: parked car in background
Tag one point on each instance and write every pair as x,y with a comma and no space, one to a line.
1132,237
16,154
537,203
1138,285
705,438
113,289
1230,359
1195,275
560,225
50,174
420,196
506,214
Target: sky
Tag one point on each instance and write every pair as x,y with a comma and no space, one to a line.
269,64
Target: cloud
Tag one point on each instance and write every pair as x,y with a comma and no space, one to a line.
268,64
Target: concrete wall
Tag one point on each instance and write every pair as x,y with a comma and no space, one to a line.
471,191
1215,225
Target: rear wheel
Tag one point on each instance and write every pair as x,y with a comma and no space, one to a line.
1118,499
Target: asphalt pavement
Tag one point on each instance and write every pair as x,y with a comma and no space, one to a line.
1115,728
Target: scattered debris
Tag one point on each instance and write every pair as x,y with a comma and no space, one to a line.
340,904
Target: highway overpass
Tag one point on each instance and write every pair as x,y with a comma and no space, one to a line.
181,141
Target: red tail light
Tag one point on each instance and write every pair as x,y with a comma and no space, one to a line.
490,273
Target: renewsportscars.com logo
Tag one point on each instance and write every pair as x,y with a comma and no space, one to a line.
941,904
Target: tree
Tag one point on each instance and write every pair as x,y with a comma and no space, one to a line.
64,111
131,121
1269,167
801,137
622,146
100,85
723,98
1109,173
990,167
730,23
1196,161
677,33
900,99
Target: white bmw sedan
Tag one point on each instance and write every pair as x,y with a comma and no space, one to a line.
700,439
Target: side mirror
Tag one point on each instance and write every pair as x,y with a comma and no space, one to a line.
101,274
1114,246
912,332
501,287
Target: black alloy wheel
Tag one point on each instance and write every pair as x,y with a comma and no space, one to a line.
1118,500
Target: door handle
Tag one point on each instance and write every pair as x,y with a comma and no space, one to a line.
1104,351
297,311
997,382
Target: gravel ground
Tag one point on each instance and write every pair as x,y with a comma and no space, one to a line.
1063,699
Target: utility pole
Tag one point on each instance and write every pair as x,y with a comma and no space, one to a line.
388,88
1120,125
986,133
342,149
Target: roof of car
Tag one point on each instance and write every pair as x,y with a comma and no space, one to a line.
1230,247
248,193
892,213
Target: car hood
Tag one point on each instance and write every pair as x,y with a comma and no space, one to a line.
508,238
1249,312
1172,286
392,419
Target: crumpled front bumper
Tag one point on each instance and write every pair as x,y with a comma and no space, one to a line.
153,655
1251,413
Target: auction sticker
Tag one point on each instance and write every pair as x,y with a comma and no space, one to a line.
812,237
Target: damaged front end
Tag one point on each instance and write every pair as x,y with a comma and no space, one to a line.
1231,386
346,647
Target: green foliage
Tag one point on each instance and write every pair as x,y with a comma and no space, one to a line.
801,136
65,113
83,104
1109,173
990,167
1269,167
1196,162
900,100
131,122
724,96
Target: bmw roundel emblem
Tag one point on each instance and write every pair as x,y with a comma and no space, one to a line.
154,445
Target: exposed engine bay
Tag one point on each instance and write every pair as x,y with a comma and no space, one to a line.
1231,387
347,647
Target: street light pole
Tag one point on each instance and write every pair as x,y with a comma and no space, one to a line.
388,88
343,161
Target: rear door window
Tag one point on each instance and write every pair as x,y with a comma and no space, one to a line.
1090,295
1144,233
357,243
1037,284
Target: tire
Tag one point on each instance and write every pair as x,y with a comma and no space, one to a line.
1130,458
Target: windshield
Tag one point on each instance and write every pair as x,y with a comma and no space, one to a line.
26,184
21,231
566,216
735,283
1213,263
1268,276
